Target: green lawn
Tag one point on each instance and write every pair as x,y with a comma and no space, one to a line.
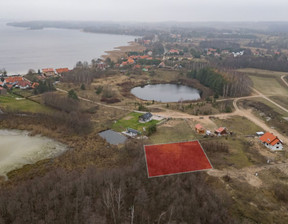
131,121
174,131
13,103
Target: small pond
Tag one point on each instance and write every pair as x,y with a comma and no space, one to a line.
166,93
17,149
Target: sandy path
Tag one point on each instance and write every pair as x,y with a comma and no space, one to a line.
282,77
94,102
248,174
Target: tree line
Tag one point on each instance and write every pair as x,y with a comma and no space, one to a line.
226,83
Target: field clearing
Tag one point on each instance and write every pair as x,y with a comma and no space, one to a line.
238,125
14,103
131,121
173,131
241,149
175,158
268,86
281,100
261,72
273,106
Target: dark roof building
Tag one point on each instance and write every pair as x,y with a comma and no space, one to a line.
145,117
113,137
133,131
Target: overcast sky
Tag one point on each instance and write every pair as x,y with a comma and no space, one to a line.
146,10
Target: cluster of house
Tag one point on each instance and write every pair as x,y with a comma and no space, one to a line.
133,60
268,139
22,83
218,132
50,72
216,53
16,82
142,119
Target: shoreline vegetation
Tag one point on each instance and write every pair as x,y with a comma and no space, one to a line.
121,51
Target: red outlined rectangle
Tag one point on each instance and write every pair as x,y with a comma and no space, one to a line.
175,158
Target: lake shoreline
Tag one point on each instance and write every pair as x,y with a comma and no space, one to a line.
23,48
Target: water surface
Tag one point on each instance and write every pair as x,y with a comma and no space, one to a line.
166,93
22,49
17,148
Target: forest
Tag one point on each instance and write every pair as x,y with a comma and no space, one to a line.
123,195
225,83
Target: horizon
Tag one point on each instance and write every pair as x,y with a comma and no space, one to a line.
148,11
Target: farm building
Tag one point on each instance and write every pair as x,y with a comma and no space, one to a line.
199,129
221,131
132,132
145,117
271,141
113,137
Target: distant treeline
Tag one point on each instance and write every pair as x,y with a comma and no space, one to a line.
275,63
220,44
225,83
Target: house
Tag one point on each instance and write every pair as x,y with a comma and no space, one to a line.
221,131
271,141
173,51
3,91
34,85
48,72
199,129
132,132
145,117
24,84
61,70
13,80
162,65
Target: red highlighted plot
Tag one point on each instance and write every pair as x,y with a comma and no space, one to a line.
175,158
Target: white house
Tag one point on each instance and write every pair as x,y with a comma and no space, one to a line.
271,141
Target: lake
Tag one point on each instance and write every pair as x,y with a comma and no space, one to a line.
17,149
22,49
166,93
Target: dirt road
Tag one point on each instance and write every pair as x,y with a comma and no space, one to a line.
94,102
283,79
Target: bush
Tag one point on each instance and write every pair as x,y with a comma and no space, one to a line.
72,94
151,129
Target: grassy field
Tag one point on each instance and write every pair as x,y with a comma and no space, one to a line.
268,85
261,72
281,100
13,103
173,131
131,121
238,125
241,153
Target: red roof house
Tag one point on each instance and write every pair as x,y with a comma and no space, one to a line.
62,70
221,131
199,129
271,141
48,71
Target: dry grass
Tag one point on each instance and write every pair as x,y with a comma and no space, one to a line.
268,86
261,72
